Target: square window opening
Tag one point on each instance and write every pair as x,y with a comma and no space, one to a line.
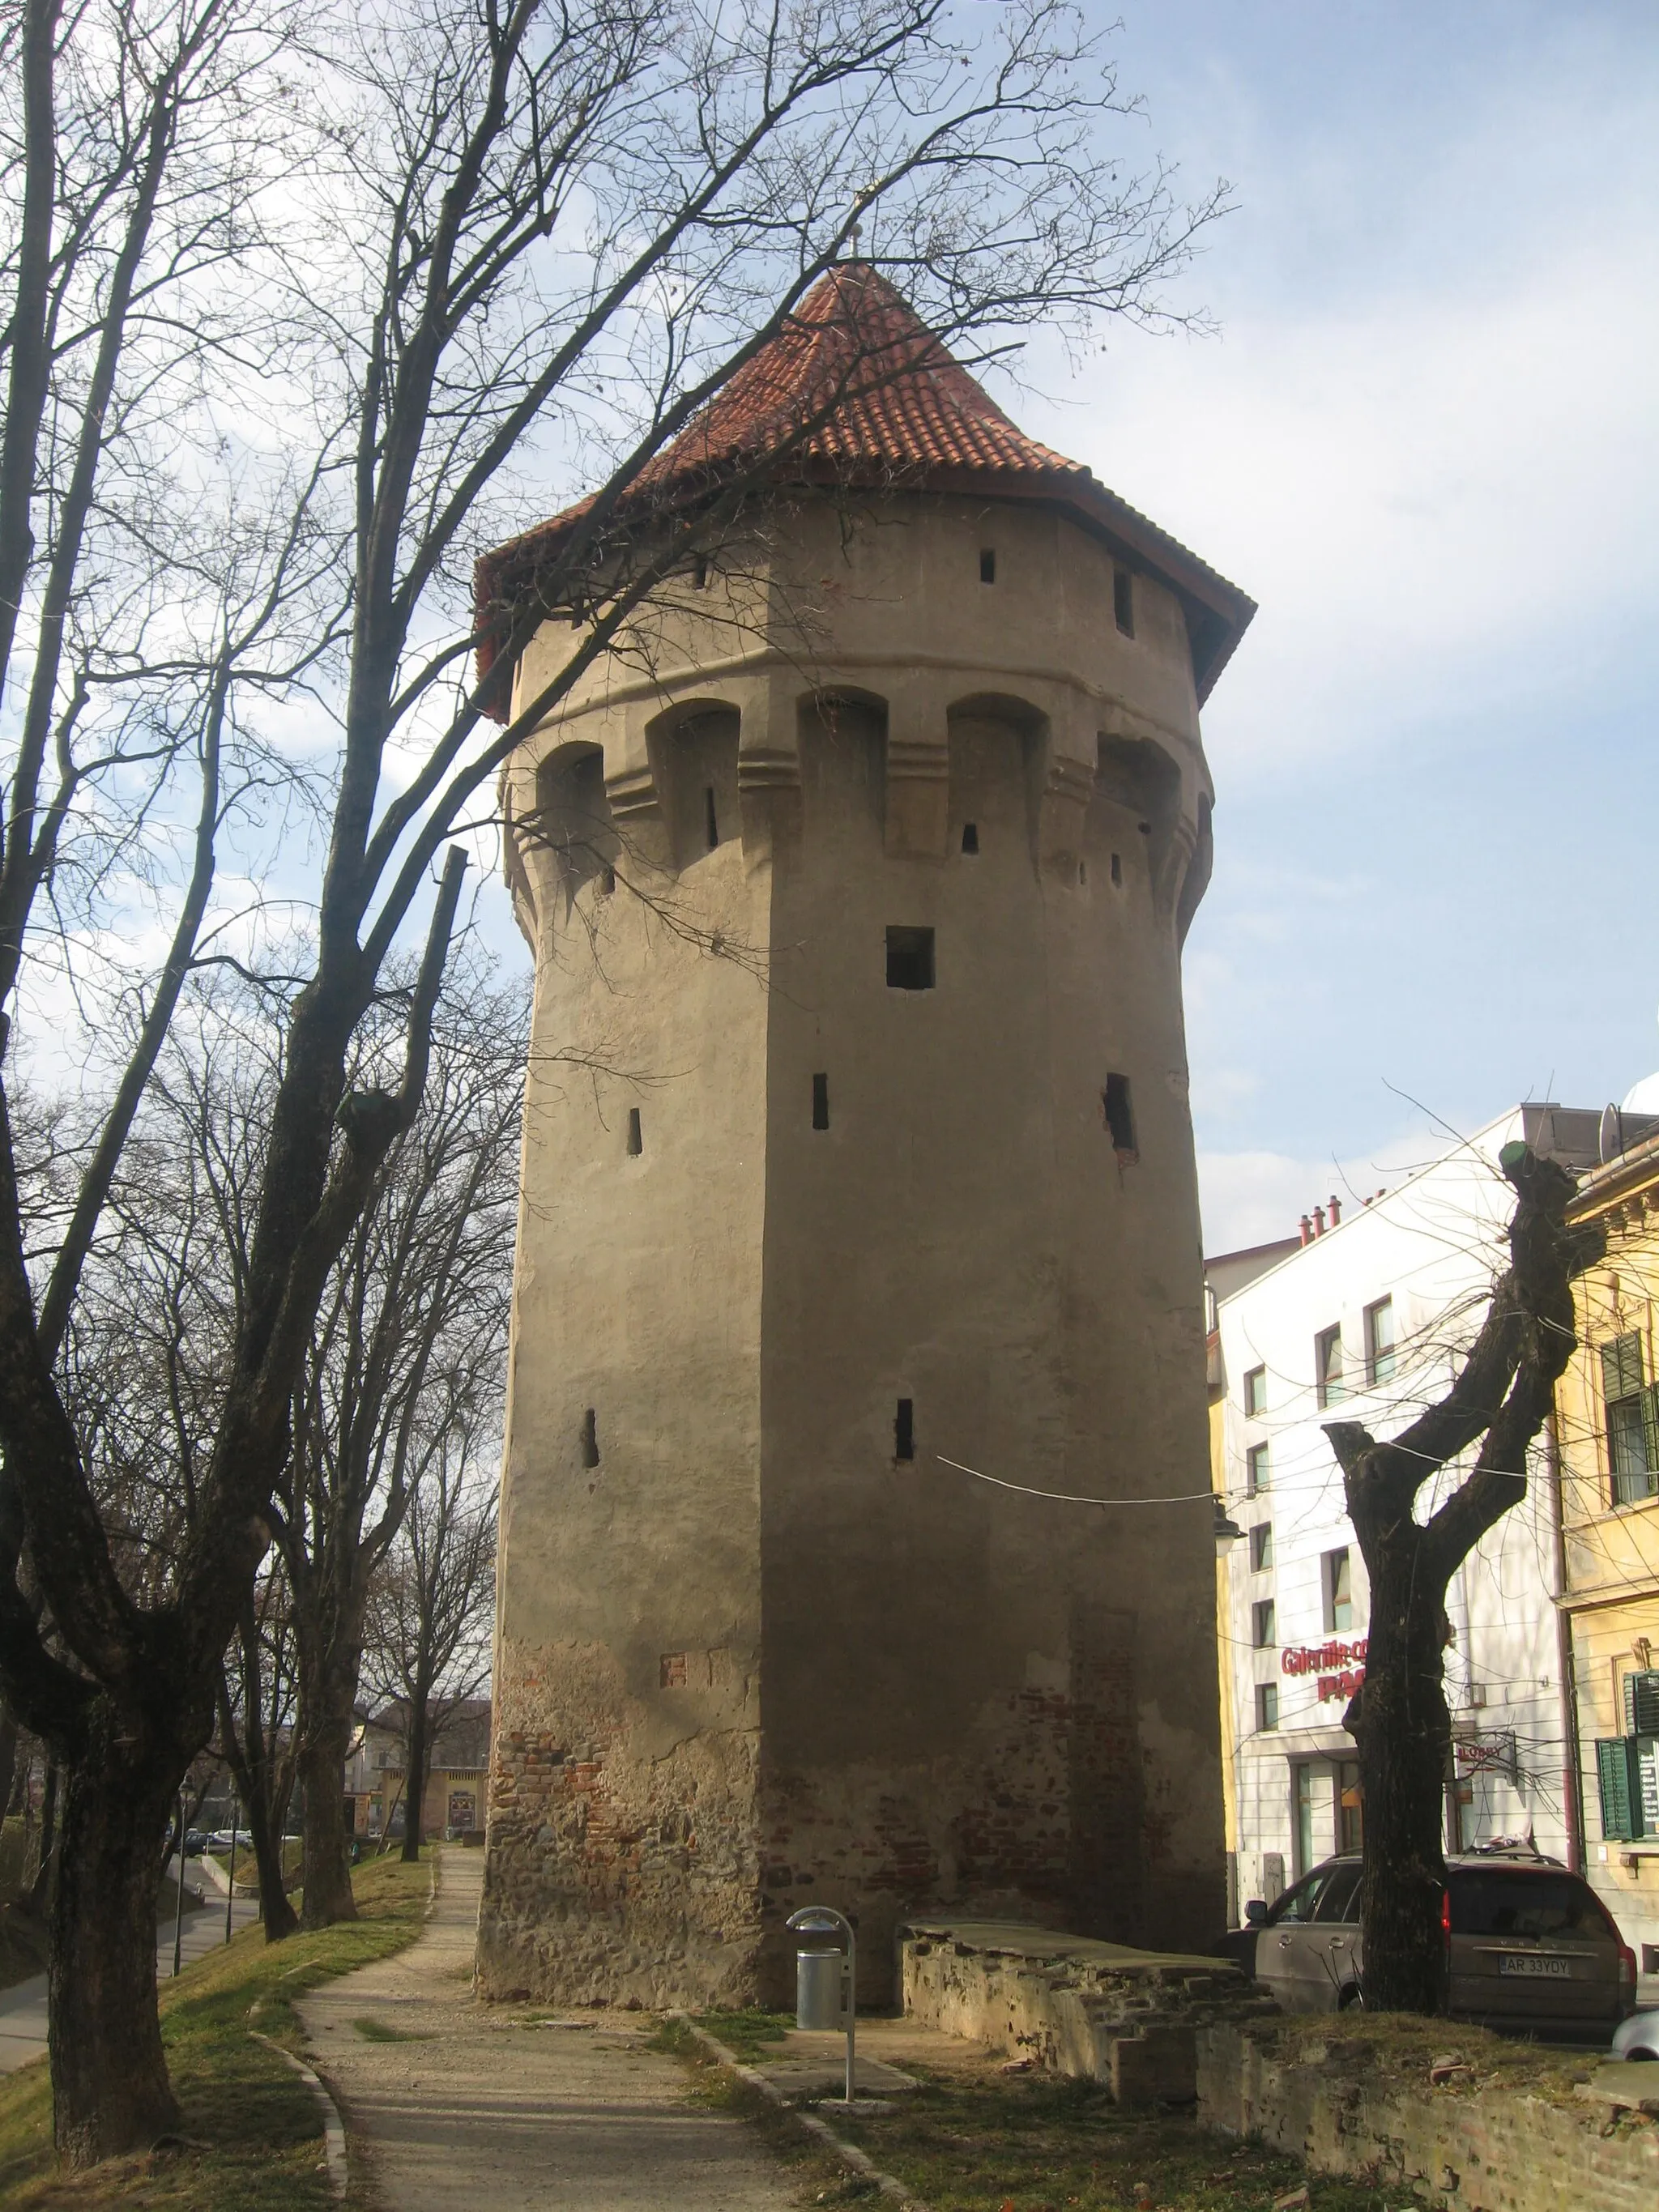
1123,601
1119,1116
909,959
987,564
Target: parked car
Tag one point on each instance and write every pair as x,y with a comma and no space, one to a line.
220,1841
1637,2037
1528,1946
195,1842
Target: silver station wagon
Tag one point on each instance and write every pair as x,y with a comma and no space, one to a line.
1528,1946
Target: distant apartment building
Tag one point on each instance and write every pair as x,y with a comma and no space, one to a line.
1364,1316
376,1783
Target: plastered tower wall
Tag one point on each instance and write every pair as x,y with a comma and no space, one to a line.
751,1657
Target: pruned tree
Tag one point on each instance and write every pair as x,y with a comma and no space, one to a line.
1501,1396
428,1645
572,221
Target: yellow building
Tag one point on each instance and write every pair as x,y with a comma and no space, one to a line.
1608,1423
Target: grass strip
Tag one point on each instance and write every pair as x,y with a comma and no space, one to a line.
251,2135
1047,2143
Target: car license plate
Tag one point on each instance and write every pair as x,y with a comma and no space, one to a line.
1525,1962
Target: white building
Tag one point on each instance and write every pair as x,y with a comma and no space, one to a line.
1366,1320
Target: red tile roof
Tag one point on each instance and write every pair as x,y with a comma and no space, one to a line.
855,389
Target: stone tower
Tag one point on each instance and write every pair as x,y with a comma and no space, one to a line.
858,1143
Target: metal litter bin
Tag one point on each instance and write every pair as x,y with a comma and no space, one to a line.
820,1986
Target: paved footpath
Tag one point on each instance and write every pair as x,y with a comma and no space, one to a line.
23,2007
491,2109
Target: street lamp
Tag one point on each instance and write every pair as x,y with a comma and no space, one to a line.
179,1913
1227,1532
826,1996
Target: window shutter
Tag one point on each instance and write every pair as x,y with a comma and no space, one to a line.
1613,1772
1621,1367
1642,1704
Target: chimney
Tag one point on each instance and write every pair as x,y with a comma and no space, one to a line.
1319,1221
1336,1211
1307,1230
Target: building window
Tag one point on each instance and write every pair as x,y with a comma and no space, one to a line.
1632,1421
1327,1366
1266,1704
1263,1624
909,959
1256,1390
1350,1810
1379,1342
1257,1475
1123,601
1261,1547
1338,1592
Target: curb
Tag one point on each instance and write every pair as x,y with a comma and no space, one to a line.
334,2134
849,2154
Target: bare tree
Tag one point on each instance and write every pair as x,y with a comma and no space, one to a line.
258,1738
577,220
409,1350
1502,1393
428,1645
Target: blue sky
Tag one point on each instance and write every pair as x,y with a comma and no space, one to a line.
1426,441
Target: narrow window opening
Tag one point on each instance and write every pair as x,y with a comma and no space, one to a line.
1267,1705
1264,1624
1083,872
1338,1592
1261,1547
820,1102
635,1136
1117,867
987,564
607,882
909,959
1119,1116
1123,601
590,1438
1327,1366
700,572
970,837
711,820
904,1431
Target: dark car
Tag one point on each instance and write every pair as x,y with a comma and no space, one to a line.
1528,1946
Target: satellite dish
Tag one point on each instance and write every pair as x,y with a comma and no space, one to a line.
1612,1135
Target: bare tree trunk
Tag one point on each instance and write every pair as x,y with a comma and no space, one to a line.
264,1824
414,1771
110,2087
1403,1730
328,1895
40,1885
7,1756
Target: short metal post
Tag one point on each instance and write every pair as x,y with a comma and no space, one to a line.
852,2004
179,1913
231,1892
